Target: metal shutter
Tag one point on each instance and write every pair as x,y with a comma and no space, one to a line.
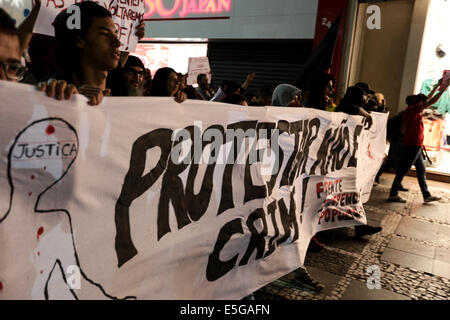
274,61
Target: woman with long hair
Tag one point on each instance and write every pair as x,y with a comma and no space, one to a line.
165,83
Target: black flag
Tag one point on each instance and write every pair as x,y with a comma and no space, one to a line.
322,57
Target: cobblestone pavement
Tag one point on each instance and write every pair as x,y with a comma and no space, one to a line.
412,252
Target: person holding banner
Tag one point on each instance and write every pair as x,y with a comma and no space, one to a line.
10,67
166,84
86,54
412,143
286,95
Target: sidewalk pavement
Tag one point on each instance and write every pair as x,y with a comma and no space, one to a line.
412,252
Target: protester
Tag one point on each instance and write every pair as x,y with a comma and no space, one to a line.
192,93
412,143
236,98
11,68
165,84
87,54
320,91
394,137
353,102
250,98
204,87
182,80
227,88
230,87
265,96
286,95
133,76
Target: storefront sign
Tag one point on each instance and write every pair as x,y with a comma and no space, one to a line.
163,9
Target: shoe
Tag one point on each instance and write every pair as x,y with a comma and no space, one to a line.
315,246
402,188
396,199
361,231
431,198
250,297
307,282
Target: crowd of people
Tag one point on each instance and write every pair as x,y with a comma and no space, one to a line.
88,61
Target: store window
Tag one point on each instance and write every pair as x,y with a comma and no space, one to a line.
435,58
173,55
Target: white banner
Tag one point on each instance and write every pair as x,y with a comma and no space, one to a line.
126,15
95,204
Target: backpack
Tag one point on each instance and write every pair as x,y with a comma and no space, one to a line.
394,131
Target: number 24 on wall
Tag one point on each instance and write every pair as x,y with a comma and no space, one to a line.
326,22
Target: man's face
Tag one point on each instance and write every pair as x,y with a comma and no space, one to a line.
203,81
328,91
100,49
134,77
9,53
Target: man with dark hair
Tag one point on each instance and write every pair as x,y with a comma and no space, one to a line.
204,88
133,76
265,96
87,54
10,67
412,144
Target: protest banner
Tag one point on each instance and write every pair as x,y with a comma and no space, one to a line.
127,14
149,199
196,66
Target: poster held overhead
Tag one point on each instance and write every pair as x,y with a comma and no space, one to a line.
198,65
126,16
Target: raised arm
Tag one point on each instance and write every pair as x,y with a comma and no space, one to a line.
436,98
25,29
249,79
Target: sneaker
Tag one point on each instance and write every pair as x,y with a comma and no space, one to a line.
361,231
307,282
396,199
402,188
250,297
431,198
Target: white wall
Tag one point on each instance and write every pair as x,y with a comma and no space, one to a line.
249,19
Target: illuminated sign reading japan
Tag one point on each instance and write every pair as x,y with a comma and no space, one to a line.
185,8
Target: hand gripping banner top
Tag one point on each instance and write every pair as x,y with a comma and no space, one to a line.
144,198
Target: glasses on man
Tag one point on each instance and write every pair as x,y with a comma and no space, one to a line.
13,71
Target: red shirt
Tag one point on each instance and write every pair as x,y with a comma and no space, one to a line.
412,127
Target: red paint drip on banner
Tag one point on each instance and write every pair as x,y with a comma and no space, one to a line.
50,130
40,232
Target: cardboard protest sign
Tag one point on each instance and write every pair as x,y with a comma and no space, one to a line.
18,10
149,199
196,66
126,14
